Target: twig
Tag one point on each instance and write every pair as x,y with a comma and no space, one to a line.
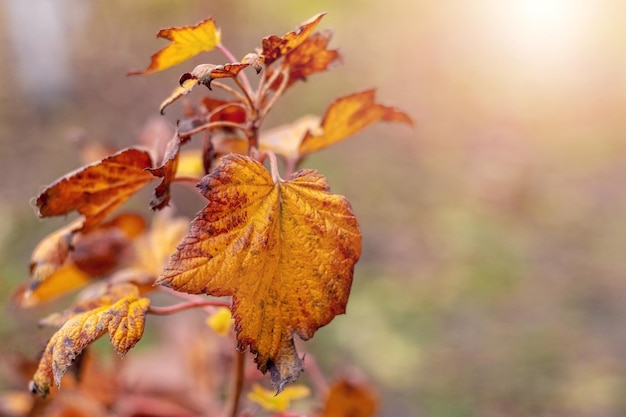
164,311
238,384
277,94
229,90
211,125
194,180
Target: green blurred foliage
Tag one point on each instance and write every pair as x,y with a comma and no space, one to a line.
492,278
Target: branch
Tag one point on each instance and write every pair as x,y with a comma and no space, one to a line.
238,384
277,94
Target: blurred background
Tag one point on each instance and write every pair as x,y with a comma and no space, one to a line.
492,281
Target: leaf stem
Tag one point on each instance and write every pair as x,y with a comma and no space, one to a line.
238,384
175,308
232,58
229,90
211,125
314,373
194,180
279,92
274,167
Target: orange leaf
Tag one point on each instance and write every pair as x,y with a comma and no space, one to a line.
67,258
63,280
310,57
187,42
349,398
346,116
97,189
123,320
275,47
285,252
111,295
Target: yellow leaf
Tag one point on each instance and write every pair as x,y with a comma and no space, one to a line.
284,251
186,85
269,400
348,115
63,280
221,321
285,139
123,320
187,42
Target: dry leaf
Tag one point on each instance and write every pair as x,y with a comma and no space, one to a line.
186,85
97,189
285,252
275,47
187,42
346,116
123,320
167,171
310,57
350,398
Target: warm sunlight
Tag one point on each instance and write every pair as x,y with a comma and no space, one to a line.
544,29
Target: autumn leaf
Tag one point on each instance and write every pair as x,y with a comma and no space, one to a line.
187,42
275,47
68,258
167,172
185,87
348,115
284,251
310,57
285,139
112,294
202,74
224,110
123,320
97,189
350,398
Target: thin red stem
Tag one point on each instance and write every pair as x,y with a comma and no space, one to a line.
164,311
277,94
211,125
194,180
314,373
238,383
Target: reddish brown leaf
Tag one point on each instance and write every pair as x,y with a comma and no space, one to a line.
229,111
310,57
285,251
97,189
167,171
350,398
187,41
275,47
68,258
348,115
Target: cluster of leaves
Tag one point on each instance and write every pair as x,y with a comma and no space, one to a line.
283,250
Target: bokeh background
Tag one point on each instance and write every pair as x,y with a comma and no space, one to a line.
492,281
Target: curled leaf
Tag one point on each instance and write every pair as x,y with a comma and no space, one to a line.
167,172
348,115
284,251
186,85
275,47
97,189
254,60
123,320
187,42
